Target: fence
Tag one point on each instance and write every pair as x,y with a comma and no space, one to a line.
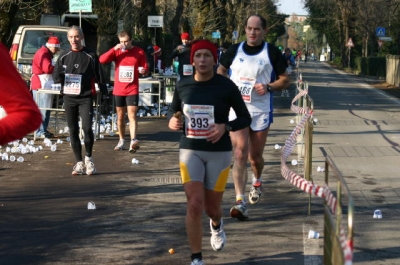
338,249
393,70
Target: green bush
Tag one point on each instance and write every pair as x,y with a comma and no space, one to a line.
375,66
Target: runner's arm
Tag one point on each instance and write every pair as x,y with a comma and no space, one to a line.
23,115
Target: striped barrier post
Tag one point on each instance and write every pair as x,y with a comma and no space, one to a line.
338,247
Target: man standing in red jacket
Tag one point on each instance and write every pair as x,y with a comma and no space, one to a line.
42,68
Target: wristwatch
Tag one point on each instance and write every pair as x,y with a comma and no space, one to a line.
269,89
228,128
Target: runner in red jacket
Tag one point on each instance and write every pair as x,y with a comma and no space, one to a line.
130,61
23,116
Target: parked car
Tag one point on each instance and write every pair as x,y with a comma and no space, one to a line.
27,40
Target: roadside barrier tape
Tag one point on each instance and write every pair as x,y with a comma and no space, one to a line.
308,186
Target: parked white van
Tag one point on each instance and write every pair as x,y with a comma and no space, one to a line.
28,39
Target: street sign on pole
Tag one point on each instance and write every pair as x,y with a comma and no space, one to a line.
380,32
385,38
350,43
380,42
80,6
155,21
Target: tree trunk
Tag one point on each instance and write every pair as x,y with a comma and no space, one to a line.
6,19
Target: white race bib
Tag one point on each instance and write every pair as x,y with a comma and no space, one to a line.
126,74
245,86
198,119
187,69
72,84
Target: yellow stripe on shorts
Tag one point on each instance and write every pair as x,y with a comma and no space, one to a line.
222,179
184,172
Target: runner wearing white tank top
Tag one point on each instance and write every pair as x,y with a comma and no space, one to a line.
258,69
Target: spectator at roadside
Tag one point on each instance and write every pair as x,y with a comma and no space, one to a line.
158,60
42,69
23,115
182,55
150,61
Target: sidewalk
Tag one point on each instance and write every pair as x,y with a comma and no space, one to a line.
141,208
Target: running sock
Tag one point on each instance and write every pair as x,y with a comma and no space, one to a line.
216,227
198,256
255,181
241,197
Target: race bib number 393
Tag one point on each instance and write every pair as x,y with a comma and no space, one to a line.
199,118
72,84
246,86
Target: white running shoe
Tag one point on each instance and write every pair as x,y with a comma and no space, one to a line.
197,262
255,193
120,145
90,169
218,237
239,211
78,169
134,146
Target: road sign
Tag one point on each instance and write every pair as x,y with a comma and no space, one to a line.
350,43
385,38
155,21
380,42
380,32
80,6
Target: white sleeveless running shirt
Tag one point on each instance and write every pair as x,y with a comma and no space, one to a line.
248,70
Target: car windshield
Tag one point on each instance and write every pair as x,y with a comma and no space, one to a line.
34,39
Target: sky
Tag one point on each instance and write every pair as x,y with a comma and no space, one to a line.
291,6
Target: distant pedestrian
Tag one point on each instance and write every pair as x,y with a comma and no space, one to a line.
291,62
205,147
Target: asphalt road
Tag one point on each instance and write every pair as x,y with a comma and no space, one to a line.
141,207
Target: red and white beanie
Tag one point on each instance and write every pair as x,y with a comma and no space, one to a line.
53,42
156,49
